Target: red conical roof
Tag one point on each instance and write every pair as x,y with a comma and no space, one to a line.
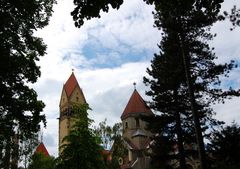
136,104
42,149
70,85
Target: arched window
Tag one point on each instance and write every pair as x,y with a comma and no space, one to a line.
126,125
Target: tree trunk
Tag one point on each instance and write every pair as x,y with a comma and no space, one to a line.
6,161
197,126
182,160
180,142
15,152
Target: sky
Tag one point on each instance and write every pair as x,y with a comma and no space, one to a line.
108,55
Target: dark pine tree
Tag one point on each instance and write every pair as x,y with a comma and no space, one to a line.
163,141
225,147
189,23
168,89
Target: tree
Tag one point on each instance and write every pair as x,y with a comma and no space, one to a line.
225,147
105,132
89,9
163,141
168,89
233,16
19,107
40,161
27,148
189,22
118,151
81,148
112,138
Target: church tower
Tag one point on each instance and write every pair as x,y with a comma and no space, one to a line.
71,95
135,134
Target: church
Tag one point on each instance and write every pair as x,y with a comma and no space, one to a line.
136,137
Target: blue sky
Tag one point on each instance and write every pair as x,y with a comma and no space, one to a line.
108,55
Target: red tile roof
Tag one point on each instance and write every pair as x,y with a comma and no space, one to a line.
70,85
42,149
136,104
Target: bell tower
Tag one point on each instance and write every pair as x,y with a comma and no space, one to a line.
71,95
135,133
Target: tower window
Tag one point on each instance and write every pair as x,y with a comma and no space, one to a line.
77,99
126,125
137,122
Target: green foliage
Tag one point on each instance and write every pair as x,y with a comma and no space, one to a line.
162,141
19,50
118,149
88,9
108,133
225,147
185,80
112,138
81,148
40,161
105,133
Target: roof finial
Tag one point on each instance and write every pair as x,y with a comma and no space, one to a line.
134,84
72,70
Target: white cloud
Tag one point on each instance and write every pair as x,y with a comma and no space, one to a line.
107,90
229,111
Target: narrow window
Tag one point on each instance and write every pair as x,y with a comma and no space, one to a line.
126,125
137,122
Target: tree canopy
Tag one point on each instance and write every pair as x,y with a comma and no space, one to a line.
88,9
185,78
81,148
20,50
225,147
40,161
112,139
